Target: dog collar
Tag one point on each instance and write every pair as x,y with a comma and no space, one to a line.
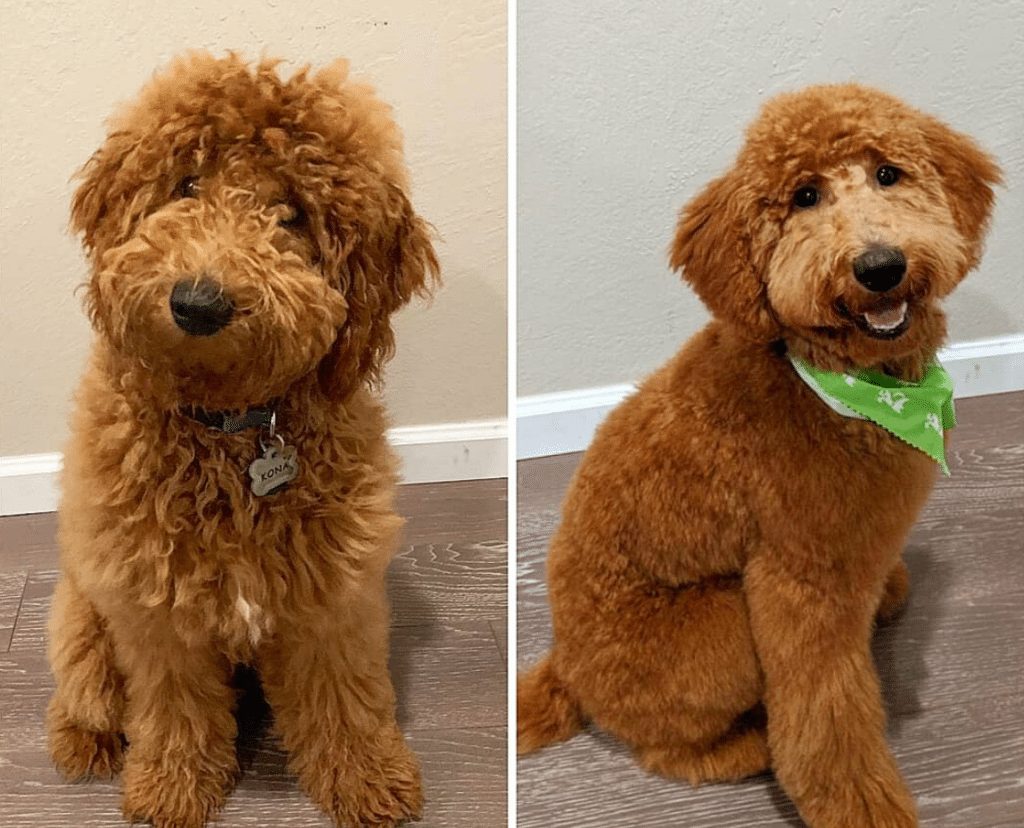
231,422
279,463
919,413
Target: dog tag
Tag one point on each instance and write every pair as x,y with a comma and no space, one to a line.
270,473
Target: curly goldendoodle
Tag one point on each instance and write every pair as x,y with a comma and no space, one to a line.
227,492
735,527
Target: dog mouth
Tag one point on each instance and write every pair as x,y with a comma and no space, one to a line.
886,323
887,320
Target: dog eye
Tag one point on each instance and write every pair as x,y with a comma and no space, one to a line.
188,187
887,175
806,197
296,216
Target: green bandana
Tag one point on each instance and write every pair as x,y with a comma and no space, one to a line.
918,413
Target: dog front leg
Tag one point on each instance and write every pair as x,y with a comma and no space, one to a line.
83,720
826,724
180,724
328,684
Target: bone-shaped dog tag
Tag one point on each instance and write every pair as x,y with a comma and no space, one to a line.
270,473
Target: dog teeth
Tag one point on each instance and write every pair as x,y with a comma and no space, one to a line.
887,320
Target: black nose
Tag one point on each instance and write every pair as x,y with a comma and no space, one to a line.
200,308
880,268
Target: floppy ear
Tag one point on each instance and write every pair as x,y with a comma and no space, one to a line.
414,270
384,271
713,246
93,203
968,175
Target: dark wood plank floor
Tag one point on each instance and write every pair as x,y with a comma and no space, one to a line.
448,592
952,667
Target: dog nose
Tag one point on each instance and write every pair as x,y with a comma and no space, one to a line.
880,268
200,308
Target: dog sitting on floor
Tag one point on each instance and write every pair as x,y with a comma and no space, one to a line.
228,487
733,531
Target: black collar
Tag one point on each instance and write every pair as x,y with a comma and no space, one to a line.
231,422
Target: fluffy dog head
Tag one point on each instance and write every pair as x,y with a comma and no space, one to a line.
845,220
246,230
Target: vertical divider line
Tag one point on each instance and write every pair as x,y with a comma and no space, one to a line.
511,285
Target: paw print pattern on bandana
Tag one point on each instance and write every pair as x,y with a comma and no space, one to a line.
894,399
932,421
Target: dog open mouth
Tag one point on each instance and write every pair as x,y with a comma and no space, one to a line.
884,321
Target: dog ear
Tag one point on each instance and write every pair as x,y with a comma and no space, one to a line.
713,246
94,198
968,175
413,267
381,274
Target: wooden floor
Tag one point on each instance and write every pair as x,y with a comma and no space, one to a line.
448,590
952,667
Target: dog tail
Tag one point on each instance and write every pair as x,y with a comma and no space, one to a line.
546,711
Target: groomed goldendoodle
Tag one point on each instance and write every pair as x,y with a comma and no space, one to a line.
729,539
249,238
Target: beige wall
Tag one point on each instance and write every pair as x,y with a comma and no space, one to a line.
626,108
441,63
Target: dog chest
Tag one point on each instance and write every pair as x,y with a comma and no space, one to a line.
252,617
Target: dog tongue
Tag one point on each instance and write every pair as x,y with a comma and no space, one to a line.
888,318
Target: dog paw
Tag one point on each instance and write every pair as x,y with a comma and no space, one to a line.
731,759
880,813
868,805
381,788
171,795
81,753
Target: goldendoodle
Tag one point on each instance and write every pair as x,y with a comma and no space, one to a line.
227,491
735,527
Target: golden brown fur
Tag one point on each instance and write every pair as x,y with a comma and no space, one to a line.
173,571
728,540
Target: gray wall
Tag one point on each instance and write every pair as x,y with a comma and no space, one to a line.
626,108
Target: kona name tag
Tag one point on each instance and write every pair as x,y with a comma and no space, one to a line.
270,473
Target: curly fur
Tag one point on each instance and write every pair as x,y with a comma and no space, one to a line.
728,541
173,571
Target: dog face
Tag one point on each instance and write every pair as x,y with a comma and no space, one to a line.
846,218
245,231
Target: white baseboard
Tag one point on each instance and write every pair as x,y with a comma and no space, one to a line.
28,483
987,366
452,451
429,454
565,421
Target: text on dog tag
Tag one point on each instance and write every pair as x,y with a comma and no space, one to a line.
278,466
